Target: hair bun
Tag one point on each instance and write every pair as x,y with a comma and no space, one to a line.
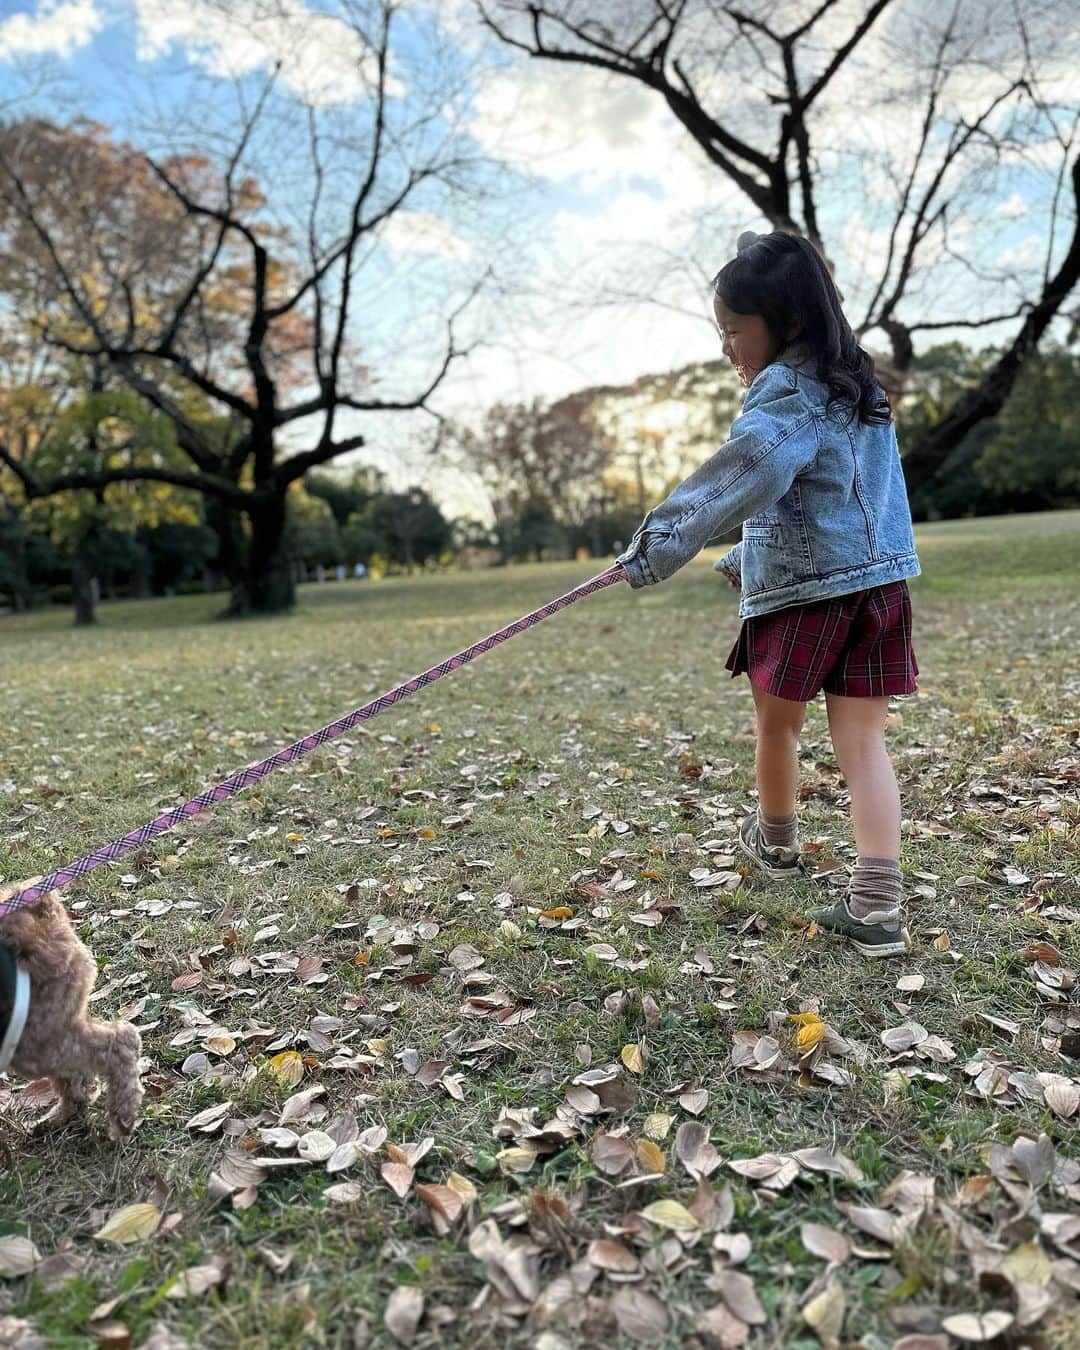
746,239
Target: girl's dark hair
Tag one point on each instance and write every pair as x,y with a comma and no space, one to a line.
783,278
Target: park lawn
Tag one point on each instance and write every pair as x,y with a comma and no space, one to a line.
334,921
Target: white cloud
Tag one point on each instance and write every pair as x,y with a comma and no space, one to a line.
58,27
1012,207
323,60
1030,249
419,232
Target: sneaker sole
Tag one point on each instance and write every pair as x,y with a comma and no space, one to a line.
899,948
779,872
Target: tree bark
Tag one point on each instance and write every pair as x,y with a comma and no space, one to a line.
82,590
265,584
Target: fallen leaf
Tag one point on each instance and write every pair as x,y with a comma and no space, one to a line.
605,1254
650,1156
129,1224
404,1308
694,1151
977,1326
670,1214
197,1280
720,1329
18,1256
399,1177
737,1291
287,1068
611,1154
633,1056
825,1242
825,1314
640,1316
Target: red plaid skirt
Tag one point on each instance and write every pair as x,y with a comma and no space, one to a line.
856,645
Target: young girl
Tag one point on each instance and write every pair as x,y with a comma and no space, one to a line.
812,472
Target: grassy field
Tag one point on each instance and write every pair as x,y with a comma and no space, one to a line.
521,877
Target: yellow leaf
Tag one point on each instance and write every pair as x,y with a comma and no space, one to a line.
942,944
805,1019
657,1125
130,1224
294,838
396,1154
808,1036
559,912
463,1186
670,1214
287,1068
633,1056
650,1157
428,833
811,931
434,728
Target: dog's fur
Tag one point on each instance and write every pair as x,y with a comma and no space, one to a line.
60,1040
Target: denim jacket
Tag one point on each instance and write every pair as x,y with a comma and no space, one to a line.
823,505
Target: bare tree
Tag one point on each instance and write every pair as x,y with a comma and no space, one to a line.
692,54
176,342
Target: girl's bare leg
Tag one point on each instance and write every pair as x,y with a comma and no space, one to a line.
779,721
857,728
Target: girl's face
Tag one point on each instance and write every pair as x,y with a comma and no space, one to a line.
748,344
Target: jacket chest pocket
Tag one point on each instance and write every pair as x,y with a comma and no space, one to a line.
763,531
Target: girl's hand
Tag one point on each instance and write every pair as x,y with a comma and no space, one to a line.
733,582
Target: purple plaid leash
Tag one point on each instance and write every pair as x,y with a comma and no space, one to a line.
252,774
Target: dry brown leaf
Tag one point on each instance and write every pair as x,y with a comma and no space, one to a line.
879,1223
404,1309
18,1256
640,1315
197,1280
694,1151
825,1314
720,1329
737,1291
611,1154
399,1177
825,1242
605,1254
695,1101
444,1203
344,1193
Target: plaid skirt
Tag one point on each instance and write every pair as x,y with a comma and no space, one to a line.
856,645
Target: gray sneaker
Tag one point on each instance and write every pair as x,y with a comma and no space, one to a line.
879,934
773,859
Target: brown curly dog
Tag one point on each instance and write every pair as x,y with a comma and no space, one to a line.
61,1040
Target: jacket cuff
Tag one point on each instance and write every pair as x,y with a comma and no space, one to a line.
636,568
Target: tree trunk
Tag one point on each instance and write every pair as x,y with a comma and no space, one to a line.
82,587
20,578
266,583
228,566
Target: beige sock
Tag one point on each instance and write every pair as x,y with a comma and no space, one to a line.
876,887
779,831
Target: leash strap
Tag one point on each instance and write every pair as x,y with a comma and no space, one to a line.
170,819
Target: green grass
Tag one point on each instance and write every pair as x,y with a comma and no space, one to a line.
101,729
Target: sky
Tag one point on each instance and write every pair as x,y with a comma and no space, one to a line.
590,186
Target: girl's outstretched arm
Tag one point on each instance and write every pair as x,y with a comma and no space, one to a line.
772,440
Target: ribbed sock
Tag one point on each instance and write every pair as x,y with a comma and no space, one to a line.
875,887
779,831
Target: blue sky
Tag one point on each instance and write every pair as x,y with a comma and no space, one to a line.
593,184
